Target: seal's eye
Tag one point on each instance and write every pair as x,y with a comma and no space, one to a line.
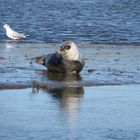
67,47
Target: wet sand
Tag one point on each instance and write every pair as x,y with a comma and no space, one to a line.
105,65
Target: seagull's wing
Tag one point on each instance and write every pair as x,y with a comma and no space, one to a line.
16,34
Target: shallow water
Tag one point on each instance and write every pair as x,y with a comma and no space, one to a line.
85,22
105,112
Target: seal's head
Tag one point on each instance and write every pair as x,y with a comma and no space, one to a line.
5,26
69,51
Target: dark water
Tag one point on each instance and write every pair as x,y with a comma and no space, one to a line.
83,21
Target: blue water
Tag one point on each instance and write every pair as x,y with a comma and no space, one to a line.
83,21
93,113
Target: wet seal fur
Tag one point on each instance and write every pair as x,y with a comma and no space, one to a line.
66,59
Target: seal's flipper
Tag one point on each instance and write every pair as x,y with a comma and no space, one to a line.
40,59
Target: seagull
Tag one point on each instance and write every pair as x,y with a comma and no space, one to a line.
13,34
66,59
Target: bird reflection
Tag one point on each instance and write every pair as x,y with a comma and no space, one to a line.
9,45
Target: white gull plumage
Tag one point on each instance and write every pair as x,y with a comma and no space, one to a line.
13,34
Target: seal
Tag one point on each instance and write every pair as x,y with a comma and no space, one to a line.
66,59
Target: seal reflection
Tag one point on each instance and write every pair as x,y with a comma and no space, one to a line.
67,95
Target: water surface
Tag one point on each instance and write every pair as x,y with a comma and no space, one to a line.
83,21
108,112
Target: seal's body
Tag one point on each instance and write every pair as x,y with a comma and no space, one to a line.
67,59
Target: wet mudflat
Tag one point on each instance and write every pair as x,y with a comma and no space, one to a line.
105,65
